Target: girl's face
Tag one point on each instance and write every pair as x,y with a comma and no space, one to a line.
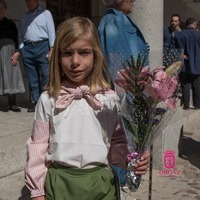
77,62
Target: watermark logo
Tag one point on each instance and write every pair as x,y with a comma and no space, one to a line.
169,159
169,163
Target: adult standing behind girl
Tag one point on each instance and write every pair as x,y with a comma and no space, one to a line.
119,35
11,81
36,39
77,130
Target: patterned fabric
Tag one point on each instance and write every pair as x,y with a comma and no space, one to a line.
37,148
11,81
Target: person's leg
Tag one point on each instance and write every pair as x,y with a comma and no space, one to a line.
32,72
12,103
33,78
185,86
196,90
42,62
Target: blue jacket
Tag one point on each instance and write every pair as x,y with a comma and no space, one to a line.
189,40
120,38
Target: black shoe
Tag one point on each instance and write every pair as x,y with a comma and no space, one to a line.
31,109
14,108
186,108
197,108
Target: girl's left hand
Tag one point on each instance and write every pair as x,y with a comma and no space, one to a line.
142,166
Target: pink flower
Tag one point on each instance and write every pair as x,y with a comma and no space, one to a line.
145,74
171,103
156,70
120,81
123,80
156,83
162,87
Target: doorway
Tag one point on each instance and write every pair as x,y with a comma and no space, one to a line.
64,9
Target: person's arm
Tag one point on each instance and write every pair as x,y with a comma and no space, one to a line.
20,34
50,32
16,54
118,148
119,151
181,44
48,56
37,148
50,28
14,33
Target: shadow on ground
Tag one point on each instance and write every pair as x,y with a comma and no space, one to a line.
25,194
5,108
190,150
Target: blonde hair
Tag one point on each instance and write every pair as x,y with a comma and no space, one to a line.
68,32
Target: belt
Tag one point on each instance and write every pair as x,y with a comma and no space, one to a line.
35,42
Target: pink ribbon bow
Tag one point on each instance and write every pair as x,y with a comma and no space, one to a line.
67,95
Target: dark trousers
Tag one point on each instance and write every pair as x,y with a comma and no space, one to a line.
36,66
190,81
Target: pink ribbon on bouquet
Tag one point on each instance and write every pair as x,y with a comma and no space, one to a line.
132,156
67,95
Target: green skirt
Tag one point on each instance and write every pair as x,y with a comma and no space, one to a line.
64,183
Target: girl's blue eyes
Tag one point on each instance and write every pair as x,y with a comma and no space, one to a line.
82,53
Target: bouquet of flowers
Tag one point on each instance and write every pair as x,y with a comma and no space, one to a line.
148,99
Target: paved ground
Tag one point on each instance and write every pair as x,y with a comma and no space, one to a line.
183,186
15,128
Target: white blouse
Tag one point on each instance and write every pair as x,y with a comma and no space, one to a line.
77,136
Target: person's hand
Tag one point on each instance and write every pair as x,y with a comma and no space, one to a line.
15,58
49,54
39,198
185,57
142,166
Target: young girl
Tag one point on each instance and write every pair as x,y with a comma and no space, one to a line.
76,132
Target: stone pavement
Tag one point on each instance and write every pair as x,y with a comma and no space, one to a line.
15,128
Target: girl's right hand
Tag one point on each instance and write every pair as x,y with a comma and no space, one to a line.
39,198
